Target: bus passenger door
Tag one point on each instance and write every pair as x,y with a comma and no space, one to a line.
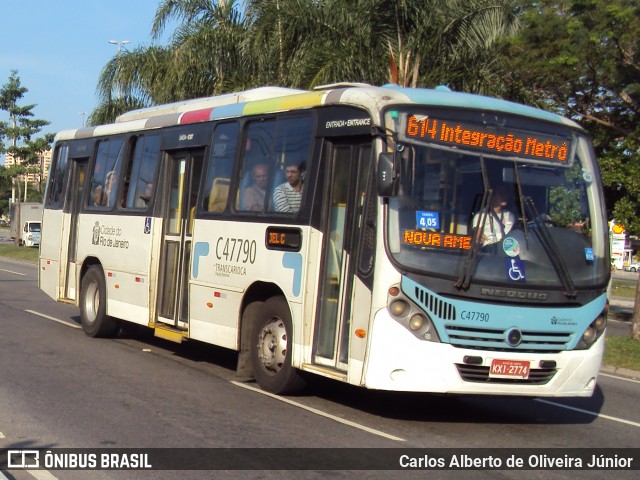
346,171
69,289
180,192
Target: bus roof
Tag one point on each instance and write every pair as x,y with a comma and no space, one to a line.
277,99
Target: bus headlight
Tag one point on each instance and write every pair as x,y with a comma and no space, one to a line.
592,333
410,315
417,321
589,335
398,308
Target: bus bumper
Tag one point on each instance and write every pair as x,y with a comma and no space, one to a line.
401,362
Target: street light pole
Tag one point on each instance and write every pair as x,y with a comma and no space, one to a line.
120,44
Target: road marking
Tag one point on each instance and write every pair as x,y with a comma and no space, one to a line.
38,474
66,324
600,415
320,412
11,271
632,380
42,474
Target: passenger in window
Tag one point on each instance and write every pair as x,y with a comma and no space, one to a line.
106,196
111,185
288,196
145,197
97,196
253,196
499,220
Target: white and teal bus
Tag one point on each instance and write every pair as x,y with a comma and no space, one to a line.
375,276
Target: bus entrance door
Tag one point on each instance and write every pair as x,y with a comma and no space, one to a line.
184,169
347,171
69,289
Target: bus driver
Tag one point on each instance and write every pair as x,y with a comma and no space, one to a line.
498,222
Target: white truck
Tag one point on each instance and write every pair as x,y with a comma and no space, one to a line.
26,222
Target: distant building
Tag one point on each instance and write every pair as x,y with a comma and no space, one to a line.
624,248
35,176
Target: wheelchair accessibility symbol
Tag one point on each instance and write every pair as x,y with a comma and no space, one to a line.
515,269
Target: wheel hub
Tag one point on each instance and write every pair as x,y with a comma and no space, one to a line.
272,345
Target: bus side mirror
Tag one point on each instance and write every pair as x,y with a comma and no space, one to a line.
388,175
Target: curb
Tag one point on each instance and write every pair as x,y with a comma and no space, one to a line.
622,372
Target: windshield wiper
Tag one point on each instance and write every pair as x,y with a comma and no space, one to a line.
551,249
464,279
521,201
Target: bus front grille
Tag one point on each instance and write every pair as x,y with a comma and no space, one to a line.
434,305
496,339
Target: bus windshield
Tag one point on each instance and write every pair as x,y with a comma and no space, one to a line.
482,215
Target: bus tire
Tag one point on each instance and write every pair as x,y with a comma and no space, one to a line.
271,340
93,305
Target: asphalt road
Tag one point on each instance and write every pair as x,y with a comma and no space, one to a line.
61,389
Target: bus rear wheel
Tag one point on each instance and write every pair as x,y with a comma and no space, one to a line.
93,305
271,342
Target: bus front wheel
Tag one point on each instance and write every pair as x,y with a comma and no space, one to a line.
271,342
93,305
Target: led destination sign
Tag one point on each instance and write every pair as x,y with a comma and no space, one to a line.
418,238
283,238
530,145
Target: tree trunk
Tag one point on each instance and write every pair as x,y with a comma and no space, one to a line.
17,210
635,320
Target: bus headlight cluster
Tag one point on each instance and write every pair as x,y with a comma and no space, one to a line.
398,308
417,321
592,333
405,312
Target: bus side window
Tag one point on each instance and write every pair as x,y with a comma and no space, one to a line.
106,173
58,171
223,153
141,172
218,195
255,165
291,152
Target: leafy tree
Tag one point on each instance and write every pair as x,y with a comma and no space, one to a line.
20,132
582,58
5,191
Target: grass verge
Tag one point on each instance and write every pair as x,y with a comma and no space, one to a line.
19,253
624,288
622,352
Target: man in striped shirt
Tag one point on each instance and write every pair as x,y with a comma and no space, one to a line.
288,196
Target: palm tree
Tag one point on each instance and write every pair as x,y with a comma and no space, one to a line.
304,43
218,48
107,111
410,42
202,59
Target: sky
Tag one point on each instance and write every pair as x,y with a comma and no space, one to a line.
59,48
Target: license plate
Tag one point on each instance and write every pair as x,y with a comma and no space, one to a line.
509,369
